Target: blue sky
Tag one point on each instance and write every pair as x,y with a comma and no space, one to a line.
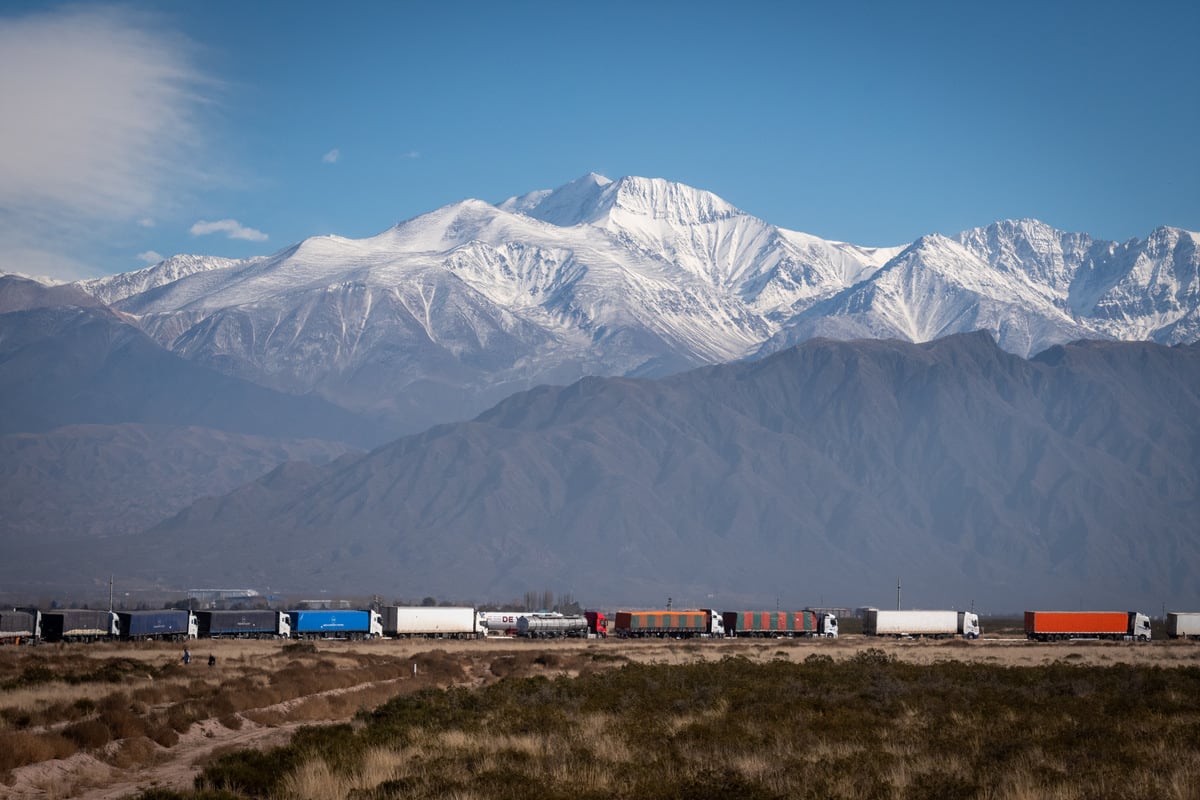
140,130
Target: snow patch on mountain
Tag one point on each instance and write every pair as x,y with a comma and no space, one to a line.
114,288
935,288
1136,290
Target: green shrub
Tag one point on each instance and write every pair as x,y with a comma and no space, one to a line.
247,773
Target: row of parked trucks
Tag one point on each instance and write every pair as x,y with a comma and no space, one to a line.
79,625
466,622
1042,626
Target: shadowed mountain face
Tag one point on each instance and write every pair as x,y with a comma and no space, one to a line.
104,433
817,475
109,480
71,365
21,294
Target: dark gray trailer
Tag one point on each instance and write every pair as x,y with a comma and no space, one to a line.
79,625
20,626
253,624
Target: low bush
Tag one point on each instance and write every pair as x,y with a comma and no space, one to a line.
88,734
21,748
163,735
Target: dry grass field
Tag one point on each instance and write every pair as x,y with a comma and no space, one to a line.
853,717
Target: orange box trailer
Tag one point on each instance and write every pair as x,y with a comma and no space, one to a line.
770,623
1047,625
695,622
780,623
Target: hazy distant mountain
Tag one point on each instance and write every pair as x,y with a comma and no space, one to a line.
447,313
820,474
110,480
71,365
103,432
18,293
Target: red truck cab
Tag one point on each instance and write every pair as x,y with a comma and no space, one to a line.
597,624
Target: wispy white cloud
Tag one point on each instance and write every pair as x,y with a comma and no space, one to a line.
231,227
332,156
101,126
150,257
147,222
412,154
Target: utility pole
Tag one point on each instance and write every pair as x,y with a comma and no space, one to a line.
897,594
110,606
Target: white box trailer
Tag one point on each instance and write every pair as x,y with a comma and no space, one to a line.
939,624
433,621
1183,625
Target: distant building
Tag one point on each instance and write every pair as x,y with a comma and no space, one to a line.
324,604
840,613
219,598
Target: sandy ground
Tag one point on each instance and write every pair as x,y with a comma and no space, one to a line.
85,776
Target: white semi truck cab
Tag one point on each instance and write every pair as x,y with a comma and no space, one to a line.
717,625
968,625
827,626
1141,627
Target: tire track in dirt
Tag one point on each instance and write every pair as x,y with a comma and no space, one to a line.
86,777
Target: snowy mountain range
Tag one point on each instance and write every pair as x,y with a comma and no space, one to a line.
151,389
445,314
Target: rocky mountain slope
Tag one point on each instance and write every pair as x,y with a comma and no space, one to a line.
819,474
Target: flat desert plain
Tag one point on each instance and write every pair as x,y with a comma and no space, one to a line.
109,720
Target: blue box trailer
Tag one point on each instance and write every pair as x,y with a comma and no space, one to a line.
164,624
324,624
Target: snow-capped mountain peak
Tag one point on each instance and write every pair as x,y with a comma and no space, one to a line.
596,200
572,204
1050,257
664,202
